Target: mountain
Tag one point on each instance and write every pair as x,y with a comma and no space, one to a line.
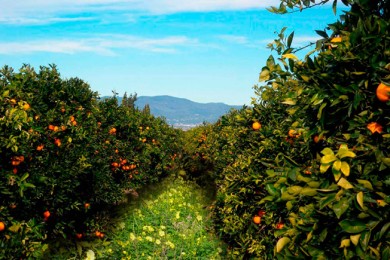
181,111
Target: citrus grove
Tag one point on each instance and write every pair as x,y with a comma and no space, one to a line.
302,173
68,158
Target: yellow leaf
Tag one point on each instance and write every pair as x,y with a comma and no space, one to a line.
281,244
344,184
345,168
345,243
355,239
337,165
360,199
290,56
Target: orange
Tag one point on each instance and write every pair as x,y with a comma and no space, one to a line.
256,126
62,109
26,106
79,236
51,127
87,205
280,225
46,214
40,147
74,123
257,219
261,213
383,92
56,128
12,101
112,130
374,127
57,142
335,40
71,118
15,170
115,164
98,234
2,226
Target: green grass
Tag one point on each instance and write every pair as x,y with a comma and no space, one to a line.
169,220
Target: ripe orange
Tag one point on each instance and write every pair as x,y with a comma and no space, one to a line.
383,92
79,236
26,106
2,226
256,126
374,127
56,128
62,110
51,127
15,170
257,219
115,164
98,234
40,147
57,142
12,101
46,214
74,123
261,213
87,205
280,225
71,118
112,131
335,40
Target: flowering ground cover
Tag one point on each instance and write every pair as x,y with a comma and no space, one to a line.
169,220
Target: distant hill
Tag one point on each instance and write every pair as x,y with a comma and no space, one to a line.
182,112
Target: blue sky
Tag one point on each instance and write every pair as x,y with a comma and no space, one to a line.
204,50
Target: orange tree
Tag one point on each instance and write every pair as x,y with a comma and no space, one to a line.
67,158
316,170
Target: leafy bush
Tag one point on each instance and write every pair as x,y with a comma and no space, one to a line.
313,180
66,157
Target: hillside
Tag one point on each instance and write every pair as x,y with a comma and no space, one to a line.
181,111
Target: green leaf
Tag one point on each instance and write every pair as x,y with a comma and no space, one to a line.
328,159
282,243
24,177
345,168
306,191
366,184
319,114
14,228
334,7
360,199
289,39
340,207
384,229
365,239
344,184
352,226
272,190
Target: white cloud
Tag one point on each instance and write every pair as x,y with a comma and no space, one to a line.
234,39
17,11
103,45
